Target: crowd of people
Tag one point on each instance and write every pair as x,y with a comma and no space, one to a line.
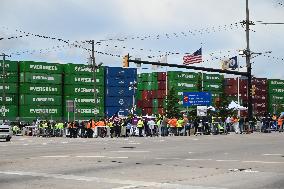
145,126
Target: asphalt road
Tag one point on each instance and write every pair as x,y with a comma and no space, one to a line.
197,162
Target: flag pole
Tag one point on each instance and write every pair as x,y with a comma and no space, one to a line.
239,112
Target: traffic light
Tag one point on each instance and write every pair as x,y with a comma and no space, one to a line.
125,61
253,88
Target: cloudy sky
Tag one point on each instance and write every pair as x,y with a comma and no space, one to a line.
171,20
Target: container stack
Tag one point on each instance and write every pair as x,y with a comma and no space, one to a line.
152,92
40,91
276,95
259,99
183,82
213,83
79,86
119,94
9,90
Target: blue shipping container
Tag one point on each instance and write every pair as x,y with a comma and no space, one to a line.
116,82
118,92
123,102
121,72
111,111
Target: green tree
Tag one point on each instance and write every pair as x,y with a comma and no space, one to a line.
172,106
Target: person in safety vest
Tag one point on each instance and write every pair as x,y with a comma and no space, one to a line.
180,124
140,126
280,124
116,122
173,125
110,125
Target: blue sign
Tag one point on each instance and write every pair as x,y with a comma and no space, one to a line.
196,99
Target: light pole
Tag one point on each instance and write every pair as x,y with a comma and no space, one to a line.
133,86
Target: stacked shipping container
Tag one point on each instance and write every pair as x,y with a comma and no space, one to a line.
259,98
9,89
40,90
276,95
79,87
151,93
118,94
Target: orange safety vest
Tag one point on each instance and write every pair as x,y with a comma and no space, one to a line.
280,122
88,125
100,123
93,124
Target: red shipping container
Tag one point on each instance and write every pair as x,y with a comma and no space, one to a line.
139,103
162,76
147,104
161,85
147,111
161,111
144,95
161,94
160,103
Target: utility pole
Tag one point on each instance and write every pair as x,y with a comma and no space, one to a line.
3,85
248,63
94,67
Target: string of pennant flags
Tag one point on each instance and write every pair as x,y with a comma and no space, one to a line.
194,32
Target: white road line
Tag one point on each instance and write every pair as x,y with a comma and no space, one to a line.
106,180
117,157
227,160
167,158
198,159
133,143
44,143
90,156
264,162
54,156
132,151
272,154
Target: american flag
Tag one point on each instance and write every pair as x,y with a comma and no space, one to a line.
196,57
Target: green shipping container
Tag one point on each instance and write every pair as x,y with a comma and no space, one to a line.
213,78
85,100
83,80
48,100
10,66
11,77
182,76
45,89
10,112
148,86
10,88
82,69
41,111
10,99
81,90
86,111
149,77
40,78
41,67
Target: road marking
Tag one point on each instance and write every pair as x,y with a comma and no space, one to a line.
90,156
227,160
117,157
54,156
64,142
272,154
264,162
131,183
25,144
44,143
199,159
167,158
132,151
133,143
